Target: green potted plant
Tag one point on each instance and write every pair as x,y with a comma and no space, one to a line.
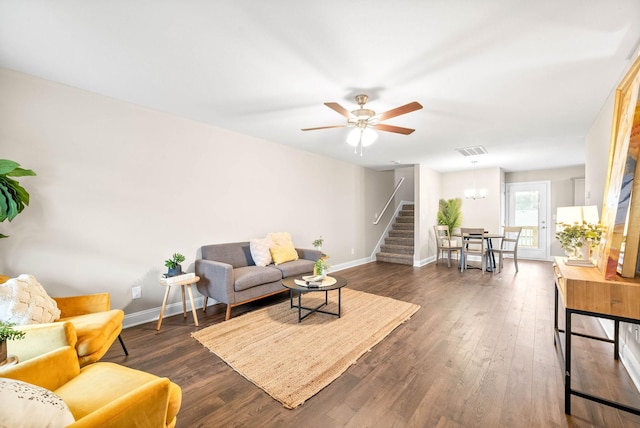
320,267
574,237
8,333
449,213
317,244
13,197
174,264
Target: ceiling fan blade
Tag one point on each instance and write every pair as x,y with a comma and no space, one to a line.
407,108
391,128
324,127
337,107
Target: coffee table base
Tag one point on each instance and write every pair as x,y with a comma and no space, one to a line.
316,309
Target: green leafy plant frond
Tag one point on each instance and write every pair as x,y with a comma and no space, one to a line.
450,213
13,197
174,261
8,333
574,235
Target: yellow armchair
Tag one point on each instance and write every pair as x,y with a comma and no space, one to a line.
101,394
97,325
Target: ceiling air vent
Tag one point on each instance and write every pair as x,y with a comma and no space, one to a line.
472,151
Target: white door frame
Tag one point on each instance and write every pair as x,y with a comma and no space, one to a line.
544,216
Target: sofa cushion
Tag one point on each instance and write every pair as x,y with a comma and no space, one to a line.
26,405
24,301
260,251
94,330
252,276
237,254
283,253
114,381
296,268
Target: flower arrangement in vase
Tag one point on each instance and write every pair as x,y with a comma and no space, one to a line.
317,244
579,239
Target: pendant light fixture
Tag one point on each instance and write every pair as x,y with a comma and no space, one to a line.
475,193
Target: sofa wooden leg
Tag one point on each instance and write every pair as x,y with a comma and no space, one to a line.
204,305
228,313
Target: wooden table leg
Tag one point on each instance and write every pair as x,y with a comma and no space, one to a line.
164,304
193,306
184,303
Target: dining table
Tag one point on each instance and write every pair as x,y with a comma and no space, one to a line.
488,236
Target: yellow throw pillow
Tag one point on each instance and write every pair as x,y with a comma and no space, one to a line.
283,253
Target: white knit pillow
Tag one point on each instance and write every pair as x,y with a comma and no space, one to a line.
24,301
260,251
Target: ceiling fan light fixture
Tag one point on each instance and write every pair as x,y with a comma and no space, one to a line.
361,136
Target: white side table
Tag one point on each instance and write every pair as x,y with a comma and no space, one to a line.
188,283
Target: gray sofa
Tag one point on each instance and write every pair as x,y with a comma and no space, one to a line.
229,275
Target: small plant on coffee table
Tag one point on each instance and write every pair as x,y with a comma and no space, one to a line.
8,333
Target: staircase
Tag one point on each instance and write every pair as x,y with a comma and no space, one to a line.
398,245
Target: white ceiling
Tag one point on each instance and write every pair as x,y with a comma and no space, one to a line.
525,79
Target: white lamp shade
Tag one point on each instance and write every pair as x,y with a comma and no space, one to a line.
365,136
578,214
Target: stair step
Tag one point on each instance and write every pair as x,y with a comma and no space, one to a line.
396,249
395,258
394,240
401,233
406,213
405,219
402,226
408,207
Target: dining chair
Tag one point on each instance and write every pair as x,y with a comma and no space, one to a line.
445,245
508,245
473,243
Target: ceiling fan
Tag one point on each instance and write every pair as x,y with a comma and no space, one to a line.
365,120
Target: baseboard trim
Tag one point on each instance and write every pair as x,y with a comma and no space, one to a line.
152,314
627,357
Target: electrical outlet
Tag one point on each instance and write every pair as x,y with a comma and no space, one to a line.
353,251
136,292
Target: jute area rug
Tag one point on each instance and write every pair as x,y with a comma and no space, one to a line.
293,361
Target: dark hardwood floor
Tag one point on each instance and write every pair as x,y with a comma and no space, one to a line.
479,353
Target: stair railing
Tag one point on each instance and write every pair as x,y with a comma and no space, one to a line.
377,220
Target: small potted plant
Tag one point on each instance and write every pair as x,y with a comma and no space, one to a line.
579,239
174,264
8,333
317,244
321,267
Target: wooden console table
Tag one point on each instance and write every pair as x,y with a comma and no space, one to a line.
584,291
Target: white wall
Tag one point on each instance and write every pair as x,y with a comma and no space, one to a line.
407,190
479,212
120,188
428,190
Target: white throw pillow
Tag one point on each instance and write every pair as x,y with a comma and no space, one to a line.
23,405
260,253
24,301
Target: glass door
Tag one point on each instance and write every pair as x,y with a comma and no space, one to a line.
528,206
